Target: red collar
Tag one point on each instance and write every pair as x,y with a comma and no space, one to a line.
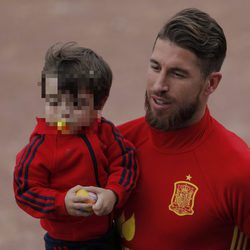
184,139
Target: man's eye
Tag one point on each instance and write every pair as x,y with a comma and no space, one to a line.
178,74
155,67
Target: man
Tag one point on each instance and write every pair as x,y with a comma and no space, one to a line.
194,188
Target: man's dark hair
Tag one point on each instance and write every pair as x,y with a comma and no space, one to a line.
196,31
78,68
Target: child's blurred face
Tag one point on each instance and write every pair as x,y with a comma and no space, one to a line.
67,111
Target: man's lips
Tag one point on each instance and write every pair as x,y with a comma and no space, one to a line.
160,103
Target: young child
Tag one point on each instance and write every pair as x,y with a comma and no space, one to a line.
72,148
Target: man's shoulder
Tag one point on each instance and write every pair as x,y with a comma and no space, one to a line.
225,144
228,139
134,129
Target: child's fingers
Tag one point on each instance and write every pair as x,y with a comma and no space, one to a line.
80,199
76,188
98,207
82,213
93,189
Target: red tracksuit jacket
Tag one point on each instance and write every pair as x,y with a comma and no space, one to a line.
52,163
193,192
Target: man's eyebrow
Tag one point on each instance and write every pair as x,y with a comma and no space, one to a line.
153,61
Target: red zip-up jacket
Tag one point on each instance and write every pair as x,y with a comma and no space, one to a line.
52,163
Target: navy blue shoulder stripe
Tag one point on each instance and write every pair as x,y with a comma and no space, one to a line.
25,156
26,170
115,129
23,187
118,137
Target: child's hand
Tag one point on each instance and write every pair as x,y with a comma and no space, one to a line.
75,205
106,200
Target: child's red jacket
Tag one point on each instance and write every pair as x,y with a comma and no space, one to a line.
52,163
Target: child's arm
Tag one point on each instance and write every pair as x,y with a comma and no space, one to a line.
123,167
33,190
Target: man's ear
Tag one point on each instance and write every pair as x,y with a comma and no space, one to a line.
212,83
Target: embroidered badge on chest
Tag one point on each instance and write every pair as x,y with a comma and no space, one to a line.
183,198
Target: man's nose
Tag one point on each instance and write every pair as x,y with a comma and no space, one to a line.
161,83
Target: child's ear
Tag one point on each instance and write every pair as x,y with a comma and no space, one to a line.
212,83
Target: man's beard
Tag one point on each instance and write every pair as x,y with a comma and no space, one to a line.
174,121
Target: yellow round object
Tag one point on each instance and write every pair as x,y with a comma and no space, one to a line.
84,193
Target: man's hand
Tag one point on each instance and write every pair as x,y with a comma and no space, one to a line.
106,200
76,205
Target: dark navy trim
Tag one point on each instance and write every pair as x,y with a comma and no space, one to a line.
130,164
126,152
46,198
118,137
41,204
28,163
35,208
135,173
30,154
22,164
93,157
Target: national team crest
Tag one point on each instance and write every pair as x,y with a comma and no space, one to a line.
182,201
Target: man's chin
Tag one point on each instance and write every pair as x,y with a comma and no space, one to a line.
156,121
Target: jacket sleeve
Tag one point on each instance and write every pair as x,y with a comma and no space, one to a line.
32,181
123,165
